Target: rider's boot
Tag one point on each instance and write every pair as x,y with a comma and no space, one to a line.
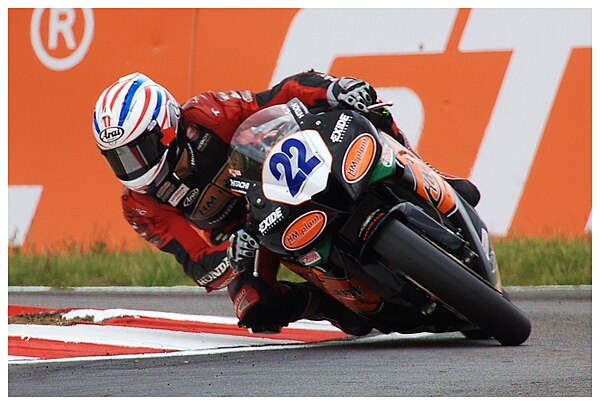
318,306
465,188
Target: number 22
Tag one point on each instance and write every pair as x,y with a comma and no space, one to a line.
283,158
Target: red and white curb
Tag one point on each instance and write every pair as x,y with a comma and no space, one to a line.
98,333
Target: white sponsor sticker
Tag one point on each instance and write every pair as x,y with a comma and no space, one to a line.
178,195
310,258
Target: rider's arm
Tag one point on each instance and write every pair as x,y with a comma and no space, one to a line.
223,112
315,89
310,87
171,232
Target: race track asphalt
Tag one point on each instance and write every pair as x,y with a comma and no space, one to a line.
556,361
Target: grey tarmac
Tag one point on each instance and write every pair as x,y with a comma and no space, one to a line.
555,361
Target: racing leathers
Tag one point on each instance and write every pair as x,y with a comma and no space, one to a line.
192,213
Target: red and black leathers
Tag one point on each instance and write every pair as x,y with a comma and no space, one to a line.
192,212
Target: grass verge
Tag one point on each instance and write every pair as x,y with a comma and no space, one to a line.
522,262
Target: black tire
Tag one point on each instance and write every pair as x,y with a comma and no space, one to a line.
447,280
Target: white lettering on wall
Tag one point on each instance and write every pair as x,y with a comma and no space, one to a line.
541,41
60,25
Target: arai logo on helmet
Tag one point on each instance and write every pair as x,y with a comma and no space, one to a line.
111,134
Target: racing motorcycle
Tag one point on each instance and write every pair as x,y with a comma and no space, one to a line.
356,213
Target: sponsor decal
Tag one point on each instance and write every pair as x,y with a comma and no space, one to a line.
296,168
485,243
139,210
239,186
222,96
178,195
428,183
270,221
310,258
340,128
165,191
191,154
191,197
304,230
297,109
234,172
246,96
111,134
199,138
387,156
213,199
215,273
358,158
244,299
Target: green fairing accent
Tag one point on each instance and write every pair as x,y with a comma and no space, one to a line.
381,171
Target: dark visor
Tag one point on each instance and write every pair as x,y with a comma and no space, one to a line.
135,159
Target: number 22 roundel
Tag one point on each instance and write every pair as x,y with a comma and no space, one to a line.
296,168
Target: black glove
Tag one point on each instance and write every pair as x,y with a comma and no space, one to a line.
352,92
242,250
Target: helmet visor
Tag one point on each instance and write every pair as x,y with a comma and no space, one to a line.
135,159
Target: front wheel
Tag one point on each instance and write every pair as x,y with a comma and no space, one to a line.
447,281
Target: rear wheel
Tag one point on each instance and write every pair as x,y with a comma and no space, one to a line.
448,281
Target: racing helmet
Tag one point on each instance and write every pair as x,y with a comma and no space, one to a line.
135,123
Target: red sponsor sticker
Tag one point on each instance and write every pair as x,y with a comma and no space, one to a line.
359,158
244,299
304,230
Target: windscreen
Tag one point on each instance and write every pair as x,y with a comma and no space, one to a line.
255,137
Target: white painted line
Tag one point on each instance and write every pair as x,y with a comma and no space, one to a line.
13,359
101,315
136,337
392,337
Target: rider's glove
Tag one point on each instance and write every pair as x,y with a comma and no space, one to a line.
242,251
351,92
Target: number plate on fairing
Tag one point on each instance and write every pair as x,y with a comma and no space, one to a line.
296,168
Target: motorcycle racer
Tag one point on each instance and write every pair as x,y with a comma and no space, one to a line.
172,162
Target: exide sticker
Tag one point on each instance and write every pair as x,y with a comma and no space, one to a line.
270,221
304,230
340,128
358,158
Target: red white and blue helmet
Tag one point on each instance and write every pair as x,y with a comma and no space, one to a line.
135,122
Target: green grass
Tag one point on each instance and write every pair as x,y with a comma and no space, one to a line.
96,268
544,262
522,262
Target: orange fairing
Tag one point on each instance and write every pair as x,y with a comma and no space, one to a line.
304,230
350,292
428,184
359,158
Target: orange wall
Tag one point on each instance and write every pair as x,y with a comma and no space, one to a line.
50,138
189,51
